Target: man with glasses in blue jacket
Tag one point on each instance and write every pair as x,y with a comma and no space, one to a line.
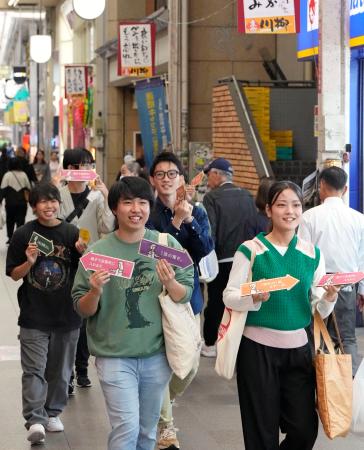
189,224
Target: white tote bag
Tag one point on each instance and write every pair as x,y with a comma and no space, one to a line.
208,267
180,329
229,336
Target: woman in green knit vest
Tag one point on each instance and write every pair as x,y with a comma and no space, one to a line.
275,375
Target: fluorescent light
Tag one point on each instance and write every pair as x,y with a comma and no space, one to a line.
89,10
40,47
13,3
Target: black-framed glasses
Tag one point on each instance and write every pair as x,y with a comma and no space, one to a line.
160,174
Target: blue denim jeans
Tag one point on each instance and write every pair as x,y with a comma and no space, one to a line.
133,389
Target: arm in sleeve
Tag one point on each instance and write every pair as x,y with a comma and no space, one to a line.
183,276
239,275
200,242
318,294
105,217
81,286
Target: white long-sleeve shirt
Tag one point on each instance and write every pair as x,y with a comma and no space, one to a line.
274,338
338,231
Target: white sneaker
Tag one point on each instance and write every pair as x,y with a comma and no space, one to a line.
54,424
209,351
36,433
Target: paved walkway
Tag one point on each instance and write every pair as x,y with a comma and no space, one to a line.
207,415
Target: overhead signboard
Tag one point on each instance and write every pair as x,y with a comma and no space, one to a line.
268,16
308,37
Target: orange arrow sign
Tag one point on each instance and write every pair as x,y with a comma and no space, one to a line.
269,285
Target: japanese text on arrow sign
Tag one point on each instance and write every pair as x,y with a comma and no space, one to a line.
115,266
178,258
78,175
268,285
44,245
339,279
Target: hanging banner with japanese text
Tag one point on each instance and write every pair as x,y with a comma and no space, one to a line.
136,49
268,16
153,117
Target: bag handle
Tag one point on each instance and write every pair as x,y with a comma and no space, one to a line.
337,331
319,328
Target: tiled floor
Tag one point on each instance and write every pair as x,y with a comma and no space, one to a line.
207,415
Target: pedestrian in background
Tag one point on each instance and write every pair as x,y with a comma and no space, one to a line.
15,189
275,375
54,167
4,162
41,167
87,209
229,209
339,233
261,221
22,154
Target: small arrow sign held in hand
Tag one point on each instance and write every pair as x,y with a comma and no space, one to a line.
178,258
340,279
44,245
115,266
268,285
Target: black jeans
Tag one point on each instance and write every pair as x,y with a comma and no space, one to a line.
15,214
276,391
82,353
215,306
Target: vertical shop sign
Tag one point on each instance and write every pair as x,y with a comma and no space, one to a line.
268,16
75,81
153,117
136,49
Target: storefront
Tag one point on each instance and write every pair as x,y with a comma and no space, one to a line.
308,42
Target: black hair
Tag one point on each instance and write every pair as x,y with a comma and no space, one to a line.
166,157
16,163
76,156
127,189
335,177
278,187
43,191
35,161
262,194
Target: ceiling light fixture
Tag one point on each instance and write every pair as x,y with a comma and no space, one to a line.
40,44
13,3
89,10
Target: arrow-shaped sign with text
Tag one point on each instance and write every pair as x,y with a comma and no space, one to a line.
78,175
339,279
178,258
268,285
115,266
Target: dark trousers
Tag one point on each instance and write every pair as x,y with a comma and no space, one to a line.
215,306
82,353
276,391
14,215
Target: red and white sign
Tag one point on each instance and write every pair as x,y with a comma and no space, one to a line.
136,49
78,175
339,279
115,266
75,81
268,16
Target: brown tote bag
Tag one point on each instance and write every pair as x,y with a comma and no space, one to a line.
334,382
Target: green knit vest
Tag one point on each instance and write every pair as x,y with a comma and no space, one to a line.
285,310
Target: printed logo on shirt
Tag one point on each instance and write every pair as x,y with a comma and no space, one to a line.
51,273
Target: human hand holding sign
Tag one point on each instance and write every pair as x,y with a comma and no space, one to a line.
261,297
331,292
32,253
98,279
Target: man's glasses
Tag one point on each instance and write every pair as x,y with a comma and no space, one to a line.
160,174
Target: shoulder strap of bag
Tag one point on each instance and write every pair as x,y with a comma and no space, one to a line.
337,331
78,210
163,238
252,259
319,328
17,180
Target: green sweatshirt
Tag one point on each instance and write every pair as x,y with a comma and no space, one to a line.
128,321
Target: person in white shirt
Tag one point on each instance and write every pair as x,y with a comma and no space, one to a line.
339,233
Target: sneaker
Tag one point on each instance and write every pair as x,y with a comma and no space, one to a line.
209,351
36,433
71,388
83,381
168,437
54,424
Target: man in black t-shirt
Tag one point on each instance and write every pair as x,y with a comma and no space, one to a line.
49,326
